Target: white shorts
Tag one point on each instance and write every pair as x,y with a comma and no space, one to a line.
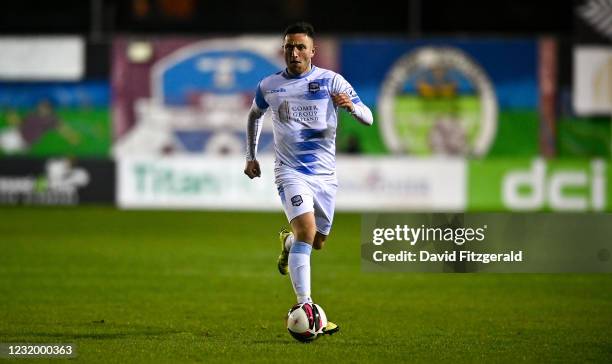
300,193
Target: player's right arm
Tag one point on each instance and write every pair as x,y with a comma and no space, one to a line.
254,123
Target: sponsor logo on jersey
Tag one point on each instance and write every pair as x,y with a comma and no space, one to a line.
276,91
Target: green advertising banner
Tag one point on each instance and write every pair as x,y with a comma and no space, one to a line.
539,185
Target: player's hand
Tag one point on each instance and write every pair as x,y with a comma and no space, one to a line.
343,101
252,169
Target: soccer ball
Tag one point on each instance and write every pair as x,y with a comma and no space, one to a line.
306,321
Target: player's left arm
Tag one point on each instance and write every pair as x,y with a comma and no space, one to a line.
344,96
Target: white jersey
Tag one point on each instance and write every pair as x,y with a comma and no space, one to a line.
305,118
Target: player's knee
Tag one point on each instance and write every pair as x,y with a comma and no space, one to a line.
304,228
305,236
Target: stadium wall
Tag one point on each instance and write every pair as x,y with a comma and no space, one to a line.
455,120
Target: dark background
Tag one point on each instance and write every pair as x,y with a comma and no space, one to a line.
99,20
412,17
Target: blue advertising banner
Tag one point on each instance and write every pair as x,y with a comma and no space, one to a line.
447,96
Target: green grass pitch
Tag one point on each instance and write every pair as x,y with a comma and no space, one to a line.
151,286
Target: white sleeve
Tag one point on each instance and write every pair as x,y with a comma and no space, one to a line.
254,123
360,112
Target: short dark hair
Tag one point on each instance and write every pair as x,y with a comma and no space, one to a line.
300,27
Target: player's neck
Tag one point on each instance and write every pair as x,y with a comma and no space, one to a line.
301,74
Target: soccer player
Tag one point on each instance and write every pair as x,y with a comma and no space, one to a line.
304,101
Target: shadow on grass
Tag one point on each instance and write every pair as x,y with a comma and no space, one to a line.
320,341
67,336
269,341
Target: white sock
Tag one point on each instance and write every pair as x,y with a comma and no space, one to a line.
299,269
289,241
